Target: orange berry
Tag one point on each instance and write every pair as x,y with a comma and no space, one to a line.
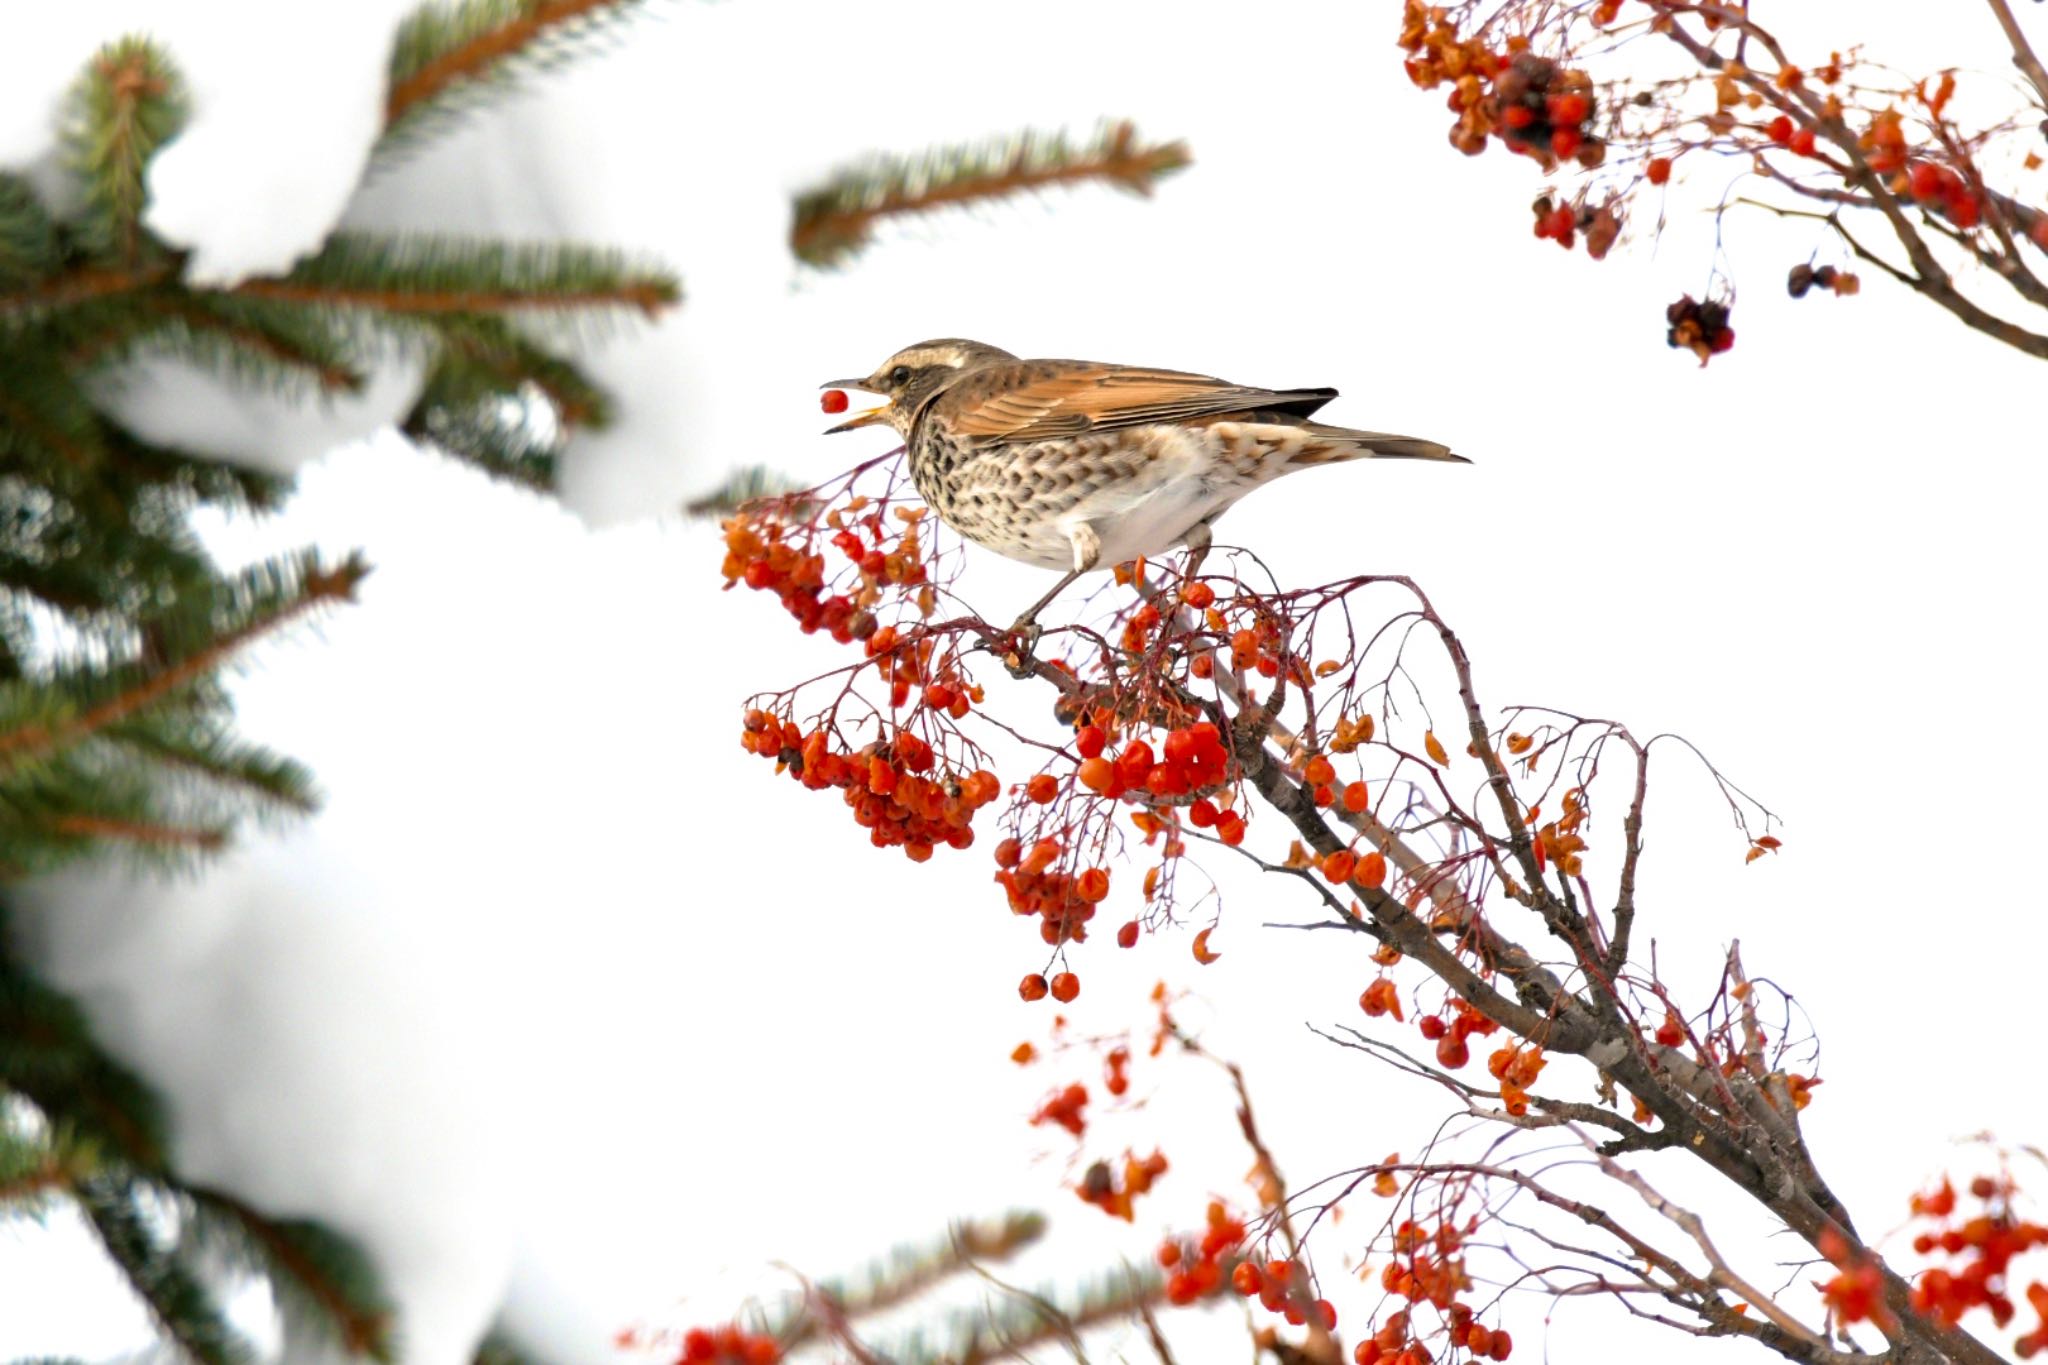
1319,772
1338,866
1127,936
1092,885
1032,987
1246,1279
1197,595
1098,775
1169,1254
1065,987
1354,797
1372,870
1042,789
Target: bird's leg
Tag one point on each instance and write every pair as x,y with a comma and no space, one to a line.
1198,541
1087,550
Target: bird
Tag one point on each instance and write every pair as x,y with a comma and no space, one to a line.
1075,464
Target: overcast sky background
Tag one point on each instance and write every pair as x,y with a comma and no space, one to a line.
563,997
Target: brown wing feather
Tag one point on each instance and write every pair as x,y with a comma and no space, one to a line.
1036,400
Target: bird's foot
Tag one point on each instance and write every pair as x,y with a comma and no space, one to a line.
1025,631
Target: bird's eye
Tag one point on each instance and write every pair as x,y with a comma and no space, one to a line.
900,375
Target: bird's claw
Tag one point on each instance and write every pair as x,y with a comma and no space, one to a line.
1025,631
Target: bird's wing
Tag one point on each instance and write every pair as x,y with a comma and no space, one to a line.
1037,400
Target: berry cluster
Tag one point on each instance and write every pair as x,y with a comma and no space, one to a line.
1943,188
895,788
1428,1267
762,552
727,1346
1985,1242
1516,1068
1194,1270
1278,1292
1063,901
1558,843
1192,760
1102,1187
1856,1292
1701,328
1804,277
1064,1107
1562,223
1449,1035
1546,111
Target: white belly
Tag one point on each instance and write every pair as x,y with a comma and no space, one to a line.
1187,483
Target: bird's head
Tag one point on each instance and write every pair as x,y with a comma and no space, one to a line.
909,378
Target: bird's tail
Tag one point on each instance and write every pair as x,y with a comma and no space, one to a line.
1330,445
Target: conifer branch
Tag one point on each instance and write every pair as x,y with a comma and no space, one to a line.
265,344
180,1307
908,1273
82,284
743,485
433,275
837,219
129,104
140,832
446,51
331,1275
318,587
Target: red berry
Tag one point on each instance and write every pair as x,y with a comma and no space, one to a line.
1127,936
1032,987
1089,740
1246,1279
1802,142
1202,814
1925,179
1659,170
1725,338
1565,141
1518,116
1326,1313
1093,885
1779,130
1042,789
1431,1026
1065,987
833,400
1568,111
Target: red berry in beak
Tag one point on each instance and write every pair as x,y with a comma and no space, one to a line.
833,400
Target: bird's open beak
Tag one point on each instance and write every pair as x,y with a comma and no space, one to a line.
865,418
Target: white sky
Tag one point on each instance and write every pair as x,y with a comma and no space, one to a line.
563,991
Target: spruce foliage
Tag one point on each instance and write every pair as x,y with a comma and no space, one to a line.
115,622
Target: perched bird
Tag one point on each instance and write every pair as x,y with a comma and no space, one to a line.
1071,464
